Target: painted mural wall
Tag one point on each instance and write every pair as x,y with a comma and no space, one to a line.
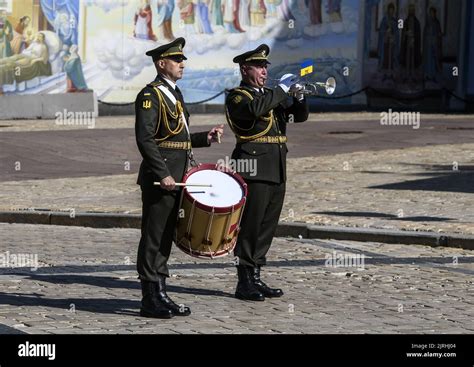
412,46
70,46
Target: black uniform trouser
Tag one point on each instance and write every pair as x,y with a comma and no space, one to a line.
159,218
259,222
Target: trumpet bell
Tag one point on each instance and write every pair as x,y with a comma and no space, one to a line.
330,85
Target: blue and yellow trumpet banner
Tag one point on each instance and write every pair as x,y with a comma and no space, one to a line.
306,67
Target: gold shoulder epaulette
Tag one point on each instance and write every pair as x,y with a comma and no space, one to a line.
244,91
155,84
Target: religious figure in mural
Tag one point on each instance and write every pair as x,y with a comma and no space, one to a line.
6,35
186,13
334,11
65,25
165,13
410,52
284,11
231,16
314,7
31,63
244,13
21,35
271,6
257,13
73,68
143,22
432,46
203,24
217,17
388,43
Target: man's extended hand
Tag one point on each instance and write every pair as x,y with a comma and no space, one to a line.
168,183
297,90
215,133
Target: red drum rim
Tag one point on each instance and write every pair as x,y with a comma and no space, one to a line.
205,255
217,209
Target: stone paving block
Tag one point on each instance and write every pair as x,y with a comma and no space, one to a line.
362,189
107,296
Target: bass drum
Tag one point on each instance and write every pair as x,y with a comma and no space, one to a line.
209,217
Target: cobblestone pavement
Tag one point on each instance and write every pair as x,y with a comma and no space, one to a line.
103,122
86,283
110,148
198,119
420,188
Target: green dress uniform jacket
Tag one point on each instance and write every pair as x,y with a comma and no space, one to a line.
151,127
256,114
158,122
261,114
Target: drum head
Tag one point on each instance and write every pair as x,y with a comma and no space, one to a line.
225,192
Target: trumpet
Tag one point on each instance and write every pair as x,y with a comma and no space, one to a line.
312,88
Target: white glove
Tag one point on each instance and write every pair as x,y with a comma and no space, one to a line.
286,81
299,96
297,90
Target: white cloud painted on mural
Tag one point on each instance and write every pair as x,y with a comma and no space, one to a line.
202,43
123,58
124,63
107,5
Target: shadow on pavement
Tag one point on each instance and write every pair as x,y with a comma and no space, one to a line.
97,305
120,306
110,305
385,216
114,283
444,178
4,329
57,275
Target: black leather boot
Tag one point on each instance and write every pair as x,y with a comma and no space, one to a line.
262,287
150,305
177,310
246,290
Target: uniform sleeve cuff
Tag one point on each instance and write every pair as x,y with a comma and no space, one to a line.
284,87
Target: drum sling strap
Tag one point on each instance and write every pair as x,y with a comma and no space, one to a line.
173,100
